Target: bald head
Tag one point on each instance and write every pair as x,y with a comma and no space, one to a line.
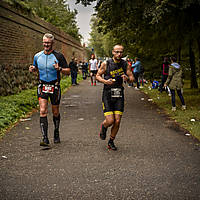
118,46
117,52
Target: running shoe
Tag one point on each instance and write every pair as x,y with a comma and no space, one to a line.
173,109
111,145
103,131
56,137
183,107
44,142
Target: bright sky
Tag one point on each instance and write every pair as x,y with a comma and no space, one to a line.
83,18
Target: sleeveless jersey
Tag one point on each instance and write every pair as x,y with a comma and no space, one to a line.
114,71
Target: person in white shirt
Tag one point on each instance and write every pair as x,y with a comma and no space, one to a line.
93,68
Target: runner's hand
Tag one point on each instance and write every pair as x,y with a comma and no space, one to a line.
125,78
109,81
32,68
56,66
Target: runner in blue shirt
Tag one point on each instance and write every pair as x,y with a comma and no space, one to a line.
49,64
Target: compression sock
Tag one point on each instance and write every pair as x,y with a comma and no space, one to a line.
44,126
56,121
111,139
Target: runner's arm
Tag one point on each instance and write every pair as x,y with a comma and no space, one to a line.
129,75
102,71
65,70
32,68
62,65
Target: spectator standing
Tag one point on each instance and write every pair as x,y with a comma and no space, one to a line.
93,67
84,70
165,69
74,70
136,71
175,82
130,65
141,76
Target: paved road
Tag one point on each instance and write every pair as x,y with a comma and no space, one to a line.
153,160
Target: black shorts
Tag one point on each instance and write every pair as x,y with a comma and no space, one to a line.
54,97
112,105
93,72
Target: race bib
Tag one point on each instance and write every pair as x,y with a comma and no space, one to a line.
48,88
116,92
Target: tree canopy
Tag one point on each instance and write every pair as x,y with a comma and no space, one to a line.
153,29
56,12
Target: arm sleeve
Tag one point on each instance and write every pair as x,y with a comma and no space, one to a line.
62,61
35,61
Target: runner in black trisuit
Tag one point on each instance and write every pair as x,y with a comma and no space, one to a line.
115,71
49,64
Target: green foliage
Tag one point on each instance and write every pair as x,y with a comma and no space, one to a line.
85,2
55,12
14,107
20,4
96,40
152,29
183,118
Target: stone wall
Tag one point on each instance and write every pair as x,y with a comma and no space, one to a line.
20,38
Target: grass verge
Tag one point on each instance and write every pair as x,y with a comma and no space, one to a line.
14,107
188,119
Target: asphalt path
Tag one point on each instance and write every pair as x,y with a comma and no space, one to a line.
155,159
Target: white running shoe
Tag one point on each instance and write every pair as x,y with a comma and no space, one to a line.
183,107
173,109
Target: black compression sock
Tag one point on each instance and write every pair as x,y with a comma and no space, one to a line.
44,126
56,121
111,139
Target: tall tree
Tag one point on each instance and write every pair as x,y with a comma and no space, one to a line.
152,28
56,12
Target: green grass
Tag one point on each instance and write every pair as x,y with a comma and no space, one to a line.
192,99
14,107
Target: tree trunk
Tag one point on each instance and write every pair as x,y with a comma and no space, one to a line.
194,83
198,43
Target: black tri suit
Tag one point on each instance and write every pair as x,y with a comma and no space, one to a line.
113,95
